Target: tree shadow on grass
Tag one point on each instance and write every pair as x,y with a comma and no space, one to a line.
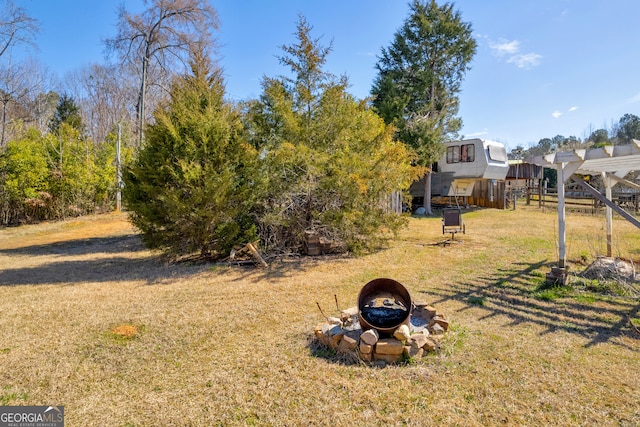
321,351
121,258
112,259
94,245
515,294
288,266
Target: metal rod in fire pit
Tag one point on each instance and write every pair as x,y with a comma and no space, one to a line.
321,312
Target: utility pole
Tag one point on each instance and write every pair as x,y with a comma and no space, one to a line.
119,183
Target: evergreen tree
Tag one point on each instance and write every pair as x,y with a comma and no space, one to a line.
66,112
419,77
329,160
628,128
193,185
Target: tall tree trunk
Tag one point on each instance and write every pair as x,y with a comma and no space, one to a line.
4,122
427,193
141,101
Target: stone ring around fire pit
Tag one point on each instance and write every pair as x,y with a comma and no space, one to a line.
386,325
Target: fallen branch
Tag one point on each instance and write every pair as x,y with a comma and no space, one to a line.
249,247
256,255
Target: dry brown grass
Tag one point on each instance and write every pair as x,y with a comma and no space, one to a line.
220,345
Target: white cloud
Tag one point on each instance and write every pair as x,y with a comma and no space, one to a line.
525,61
556,114
572,109
505,47
634,99
511,50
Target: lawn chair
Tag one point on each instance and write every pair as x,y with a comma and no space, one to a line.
452,221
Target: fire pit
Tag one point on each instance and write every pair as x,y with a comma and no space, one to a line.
383,305
385,326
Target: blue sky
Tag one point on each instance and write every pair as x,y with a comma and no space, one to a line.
542,68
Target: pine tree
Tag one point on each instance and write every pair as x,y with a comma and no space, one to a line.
419,77
193,185
67,111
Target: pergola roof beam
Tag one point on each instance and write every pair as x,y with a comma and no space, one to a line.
624,181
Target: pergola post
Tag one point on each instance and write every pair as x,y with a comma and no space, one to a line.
609,213
558,274
562,233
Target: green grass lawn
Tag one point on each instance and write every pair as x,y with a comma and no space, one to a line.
93,321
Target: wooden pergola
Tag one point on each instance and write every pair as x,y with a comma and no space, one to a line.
613,163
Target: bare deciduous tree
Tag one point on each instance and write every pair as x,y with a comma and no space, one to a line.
103,93
16,27
19,85
159,38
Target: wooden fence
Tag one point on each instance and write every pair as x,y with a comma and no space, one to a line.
580,202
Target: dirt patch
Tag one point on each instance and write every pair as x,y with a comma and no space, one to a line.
125,331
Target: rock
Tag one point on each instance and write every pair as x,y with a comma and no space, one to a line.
430,345
334,321
423,311
418,340
388,358
605,268
321,336
411,351
353,333
421,211
334,342
365,348
347,344
389,346
335,330
419,304
436,329
326,328
442,322
402,333
349,312
430,310
349,316
334,334
370,337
